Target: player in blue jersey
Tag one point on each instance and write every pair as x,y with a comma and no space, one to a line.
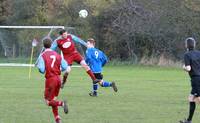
66,44
96,59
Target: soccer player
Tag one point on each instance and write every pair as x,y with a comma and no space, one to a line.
66,44
96,59
50,63
192,66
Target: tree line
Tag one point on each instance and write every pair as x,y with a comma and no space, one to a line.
140,31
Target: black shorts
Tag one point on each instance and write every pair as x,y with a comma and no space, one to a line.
195,83
98,76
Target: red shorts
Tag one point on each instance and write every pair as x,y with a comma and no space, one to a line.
74,57
52,87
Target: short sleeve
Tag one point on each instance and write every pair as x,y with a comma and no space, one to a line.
41,65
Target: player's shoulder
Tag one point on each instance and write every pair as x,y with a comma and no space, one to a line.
192,53
197,51
58,38
90,49
50,52
186,53
95,49
69,36
55,53
100,51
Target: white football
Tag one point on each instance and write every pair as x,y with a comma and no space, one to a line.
83,13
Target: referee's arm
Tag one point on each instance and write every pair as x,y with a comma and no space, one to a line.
187,66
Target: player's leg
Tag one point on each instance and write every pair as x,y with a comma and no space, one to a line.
79,59
106,83
51,93
65,76
54,104
109,84
55,114
192,107
95,85
88,70
94,88
56,93
66,73
50,101
193,98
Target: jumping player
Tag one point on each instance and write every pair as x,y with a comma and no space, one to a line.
50,63
66,44
192,66
96,59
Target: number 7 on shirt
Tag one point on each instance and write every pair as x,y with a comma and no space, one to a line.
53,57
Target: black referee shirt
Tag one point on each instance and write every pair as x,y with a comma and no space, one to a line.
192,58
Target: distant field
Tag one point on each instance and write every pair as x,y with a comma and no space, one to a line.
146,95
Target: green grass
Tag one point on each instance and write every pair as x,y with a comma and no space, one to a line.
16,60
146,95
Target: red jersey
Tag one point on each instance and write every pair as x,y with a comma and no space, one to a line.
52,62
67,45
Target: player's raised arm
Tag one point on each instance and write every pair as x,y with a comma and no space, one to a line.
78,40
186,65
41,65
54,45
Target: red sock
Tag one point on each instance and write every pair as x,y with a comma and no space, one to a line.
55,113
89,72
55,103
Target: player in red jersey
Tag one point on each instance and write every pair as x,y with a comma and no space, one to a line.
66,44
51,64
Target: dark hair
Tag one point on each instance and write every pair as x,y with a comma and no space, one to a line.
190,43
47,43
62,31
91,40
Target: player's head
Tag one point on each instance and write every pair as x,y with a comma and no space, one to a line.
47,43
190,43
63,33
90,43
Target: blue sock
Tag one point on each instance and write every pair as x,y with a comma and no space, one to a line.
95,87
106,84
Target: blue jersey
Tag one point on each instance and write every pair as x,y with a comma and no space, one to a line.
96,59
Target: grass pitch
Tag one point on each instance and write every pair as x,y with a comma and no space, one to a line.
146,95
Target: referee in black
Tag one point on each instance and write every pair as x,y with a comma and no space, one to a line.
192,66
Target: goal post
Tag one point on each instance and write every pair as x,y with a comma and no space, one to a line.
16,40
32,27
15,43
13,36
